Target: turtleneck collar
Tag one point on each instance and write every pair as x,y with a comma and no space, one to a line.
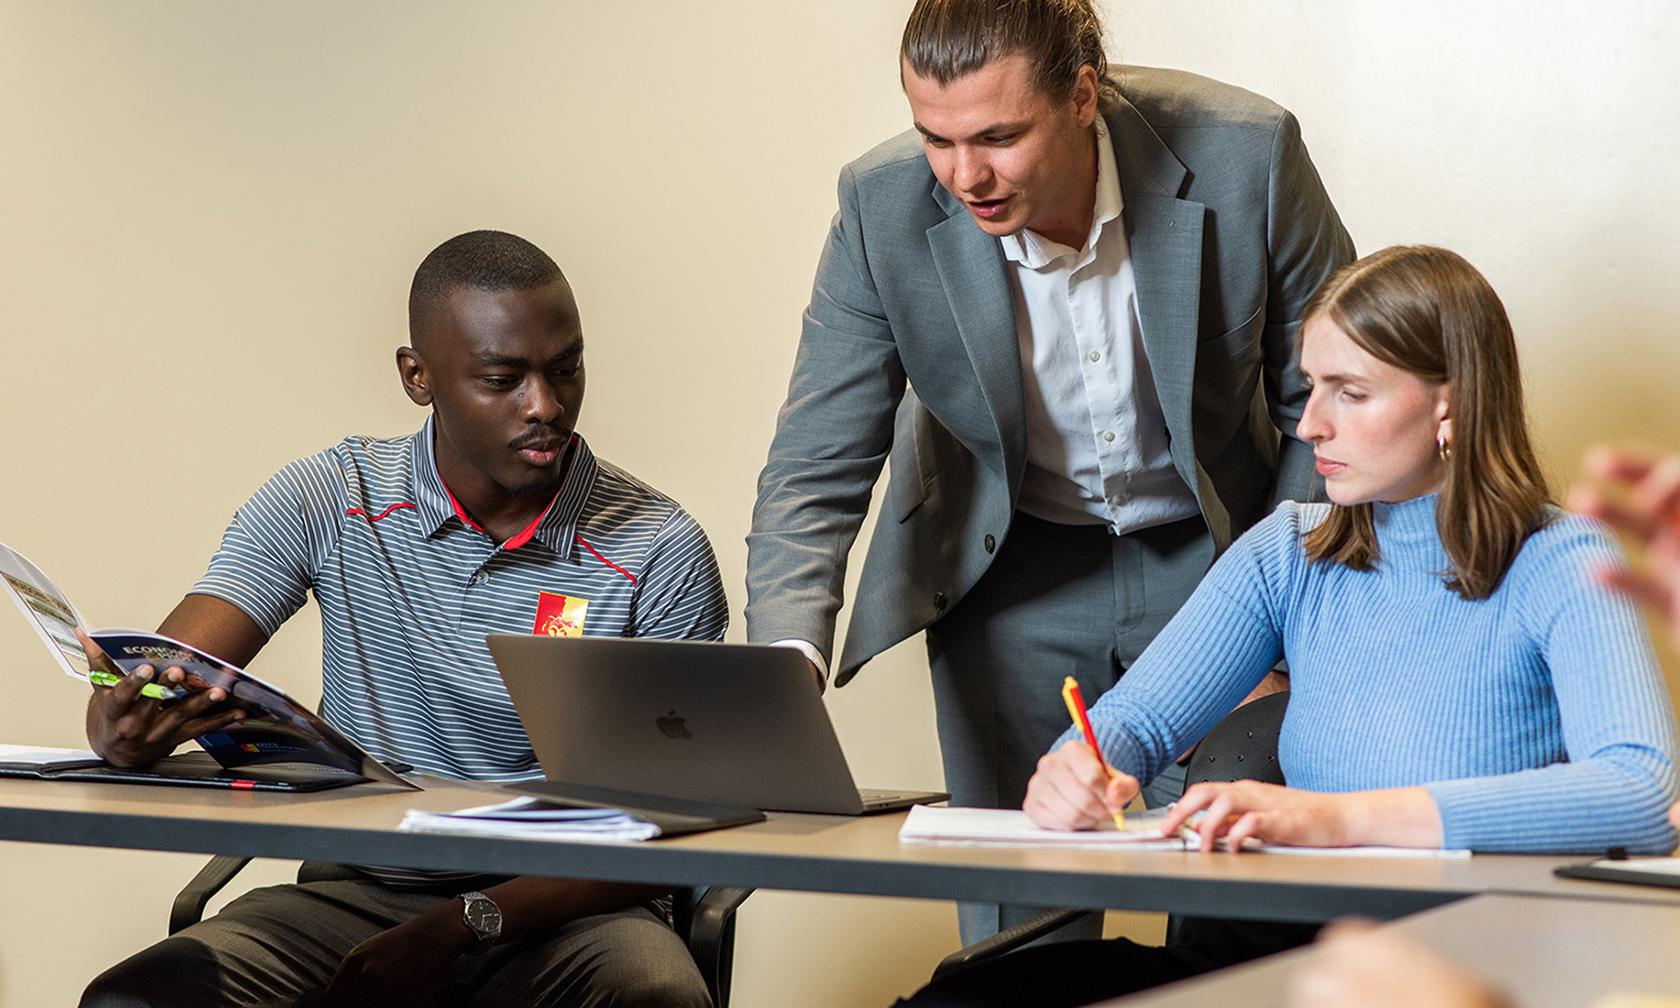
1407,534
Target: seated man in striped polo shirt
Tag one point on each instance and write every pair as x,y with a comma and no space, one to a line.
494,517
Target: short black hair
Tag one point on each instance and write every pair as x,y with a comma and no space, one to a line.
483,260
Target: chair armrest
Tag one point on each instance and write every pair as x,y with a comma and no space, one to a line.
188,907
711,936
1008,940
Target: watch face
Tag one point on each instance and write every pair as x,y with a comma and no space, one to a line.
484,917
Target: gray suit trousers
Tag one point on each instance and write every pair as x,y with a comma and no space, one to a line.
1058,600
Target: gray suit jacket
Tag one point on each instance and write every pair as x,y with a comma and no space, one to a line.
1230,232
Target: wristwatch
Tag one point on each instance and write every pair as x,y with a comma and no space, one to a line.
482,917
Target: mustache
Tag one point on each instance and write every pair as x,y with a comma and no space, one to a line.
543,439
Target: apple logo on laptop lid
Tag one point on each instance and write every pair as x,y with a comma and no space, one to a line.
672,725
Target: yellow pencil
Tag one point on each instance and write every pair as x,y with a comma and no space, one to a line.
1076,710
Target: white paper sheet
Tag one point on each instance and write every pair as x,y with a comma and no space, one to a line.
1012,828
43,755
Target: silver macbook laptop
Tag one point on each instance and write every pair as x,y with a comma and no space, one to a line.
735,724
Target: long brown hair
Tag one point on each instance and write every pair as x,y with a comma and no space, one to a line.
1427,311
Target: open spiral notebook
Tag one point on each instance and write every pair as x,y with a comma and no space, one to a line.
927,824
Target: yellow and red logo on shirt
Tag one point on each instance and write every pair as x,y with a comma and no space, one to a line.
559,615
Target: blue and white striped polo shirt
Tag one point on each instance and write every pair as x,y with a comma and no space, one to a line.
408,588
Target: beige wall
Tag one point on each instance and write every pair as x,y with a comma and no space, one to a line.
209,213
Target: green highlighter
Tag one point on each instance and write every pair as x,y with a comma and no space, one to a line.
152,690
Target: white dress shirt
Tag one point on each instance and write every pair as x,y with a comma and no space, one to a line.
1097,445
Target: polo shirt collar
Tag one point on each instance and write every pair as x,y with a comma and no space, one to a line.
431,500
555,528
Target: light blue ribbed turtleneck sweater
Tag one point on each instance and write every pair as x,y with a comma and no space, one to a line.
1536,718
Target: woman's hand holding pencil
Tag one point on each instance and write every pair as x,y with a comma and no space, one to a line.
1073,787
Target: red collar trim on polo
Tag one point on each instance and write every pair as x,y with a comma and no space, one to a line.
520,538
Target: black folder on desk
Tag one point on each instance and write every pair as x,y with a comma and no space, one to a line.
673,816
1654,871
196,769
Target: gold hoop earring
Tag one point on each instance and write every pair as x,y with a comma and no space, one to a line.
1443,448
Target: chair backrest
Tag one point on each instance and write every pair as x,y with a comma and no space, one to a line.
1243,746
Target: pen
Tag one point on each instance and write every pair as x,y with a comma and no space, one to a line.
1076,710
153,690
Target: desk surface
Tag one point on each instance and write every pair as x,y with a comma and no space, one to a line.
1543,952
799,852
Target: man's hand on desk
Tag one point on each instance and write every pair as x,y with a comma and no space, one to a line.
1073,790
129,729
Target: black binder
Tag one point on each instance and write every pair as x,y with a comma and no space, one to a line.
196,769
1622,869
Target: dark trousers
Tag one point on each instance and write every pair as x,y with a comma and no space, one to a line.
1072,973
1058,600
279,946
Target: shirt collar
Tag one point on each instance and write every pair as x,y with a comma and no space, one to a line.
555,528
1034,251
431,500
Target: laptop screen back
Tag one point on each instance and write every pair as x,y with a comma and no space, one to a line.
739,724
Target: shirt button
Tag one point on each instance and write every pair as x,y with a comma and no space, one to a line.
1095,356
939,601
990,542
1108,435
479,577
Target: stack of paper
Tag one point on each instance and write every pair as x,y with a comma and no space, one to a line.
42,758
534,819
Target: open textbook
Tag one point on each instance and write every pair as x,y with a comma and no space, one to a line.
978,827
278,733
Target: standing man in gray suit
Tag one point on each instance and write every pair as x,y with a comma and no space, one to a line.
1091,280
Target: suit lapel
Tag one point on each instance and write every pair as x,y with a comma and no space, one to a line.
971,269
1166,245
1164,234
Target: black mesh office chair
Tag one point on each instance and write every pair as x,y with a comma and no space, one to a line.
705,920
1242,746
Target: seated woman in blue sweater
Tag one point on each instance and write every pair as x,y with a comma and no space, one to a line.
1458,676
1360,965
